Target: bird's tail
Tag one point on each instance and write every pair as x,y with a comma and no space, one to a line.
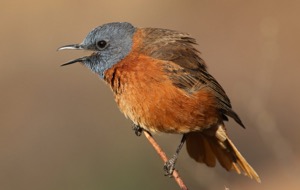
213,144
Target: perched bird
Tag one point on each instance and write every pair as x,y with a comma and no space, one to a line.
160,83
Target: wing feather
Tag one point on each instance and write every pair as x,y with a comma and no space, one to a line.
184,66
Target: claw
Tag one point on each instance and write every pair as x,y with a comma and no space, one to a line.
169,167
137,130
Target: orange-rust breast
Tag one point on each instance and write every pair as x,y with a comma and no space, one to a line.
146,95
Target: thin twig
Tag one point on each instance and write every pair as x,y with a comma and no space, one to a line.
163,156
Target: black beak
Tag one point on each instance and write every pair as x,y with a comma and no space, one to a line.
79,60
72,46
76,47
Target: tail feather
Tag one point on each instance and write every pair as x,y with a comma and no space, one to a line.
243,164
204,153
214,144
224,157
209,156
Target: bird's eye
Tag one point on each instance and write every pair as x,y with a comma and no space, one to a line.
101,44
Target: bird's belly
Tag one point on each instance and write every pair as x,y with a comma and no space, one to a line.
146,95
165,108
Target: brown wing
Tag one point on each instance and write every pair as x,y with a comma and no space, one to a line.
190,72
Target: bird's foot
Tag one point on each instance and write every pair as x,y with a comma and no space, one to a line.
137,130
169,167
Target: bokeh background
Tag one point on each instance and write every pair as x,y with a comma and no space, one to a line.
61,129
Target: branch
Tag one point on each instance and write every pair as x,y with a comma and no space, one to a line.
163,156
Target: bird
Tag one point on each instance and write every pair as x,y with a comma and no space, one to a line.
162,85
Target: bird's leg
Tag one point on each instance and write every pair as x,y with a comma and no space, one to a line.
169,166
137,129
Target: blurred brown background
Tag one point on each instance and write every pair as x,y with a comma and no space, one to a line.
61,129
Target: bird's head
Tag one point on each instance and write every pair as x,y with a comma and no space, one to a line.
109,44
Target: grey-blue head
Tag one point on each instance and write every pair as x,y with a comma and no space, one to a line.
110,43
